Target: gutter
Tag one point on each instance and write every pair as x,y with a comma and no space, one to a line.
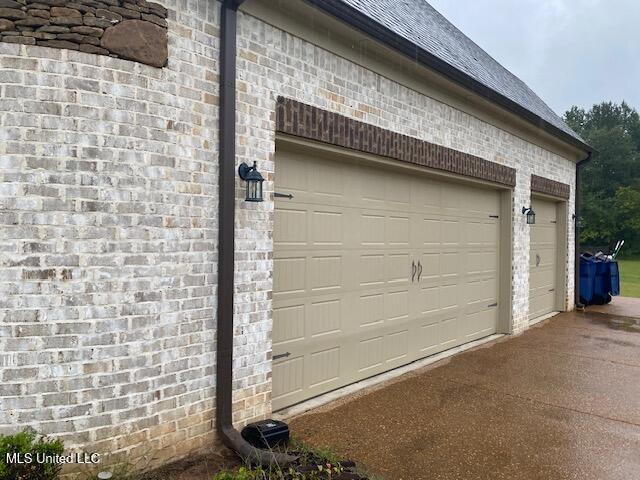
226,248
362,22
578,206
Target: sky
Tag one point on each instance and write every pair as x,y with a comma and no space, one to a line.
570,52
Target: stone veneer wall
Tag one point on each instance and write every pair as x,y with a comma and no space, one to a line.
108,221
131,29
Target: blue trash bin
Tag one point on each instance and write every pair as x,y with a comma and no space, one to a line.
602,283
614,275
587,278
599,280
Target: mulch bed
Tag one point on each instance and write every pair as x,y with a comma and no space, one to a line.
310,463
204,467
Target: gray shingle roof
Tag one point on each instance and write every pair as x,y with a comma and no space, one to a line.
419,23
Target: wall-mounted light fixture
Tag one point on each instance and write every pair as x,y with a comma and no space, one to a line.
531,215
254,180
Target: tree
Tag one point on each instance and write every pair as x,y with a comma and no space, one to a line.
610,183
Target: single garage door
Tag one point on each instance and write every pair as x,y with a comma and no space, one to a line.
543,259
375,267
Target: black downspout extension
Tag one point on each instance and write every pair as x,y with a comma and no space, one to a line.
577,231
226,248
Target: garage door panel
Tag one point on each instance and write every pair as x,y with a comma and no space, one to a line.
428,195
544,258
294,177
326,179
372,270
287,378
291,322
290,227
449,332
289,275
478,324
397,230
429,337
371,309
478,202
372,229
430,233
324,366
370,354
450,233
430,267
449,296
491,235
475,235
396,305
452,199
326,273
476,263
396,346
397,268
430,299
449,265
345,304
326,228
397,194
475,292
325,317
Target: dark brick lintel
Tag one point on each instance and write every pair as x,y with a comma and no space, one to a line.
549,187
313,123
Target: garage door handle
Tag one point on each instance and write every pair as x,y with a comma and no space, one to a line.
413,270
538,260
282,355
419,270
552,290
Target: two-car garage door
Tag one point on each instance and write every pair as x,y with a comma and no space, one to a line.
375,267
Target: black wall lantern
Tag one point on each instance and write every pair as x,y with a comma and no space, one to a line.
254,180
531,215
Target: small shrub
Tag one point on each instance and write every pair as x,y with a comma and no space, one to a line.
312,464
278,473
31,449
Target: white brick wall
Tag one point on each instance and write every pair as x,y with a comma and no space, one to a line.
108,213
108,209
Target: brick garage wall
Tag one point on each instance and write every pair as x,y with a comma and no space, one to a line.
273,63
108,213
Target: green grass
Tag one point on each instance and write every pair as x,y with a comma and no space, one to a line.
630,277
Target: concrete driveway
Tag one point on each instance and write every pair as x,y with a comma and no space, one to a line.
561,401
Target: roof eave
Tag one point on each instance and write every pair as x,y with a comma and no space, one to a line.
368,26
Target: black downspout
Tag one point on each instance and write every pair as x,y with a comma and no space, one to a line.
577,231
226,247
